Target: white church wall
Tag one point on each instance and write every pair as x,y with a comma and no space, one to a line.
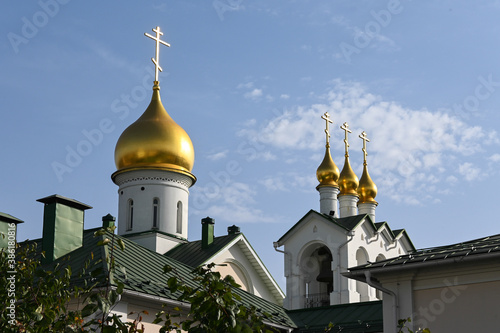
452,297
300,268
240,265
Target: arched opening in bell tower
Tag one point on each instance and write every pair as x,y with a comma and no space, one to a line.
317,275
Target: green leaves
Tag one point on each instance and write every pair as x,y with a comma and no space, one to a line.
402,325
42,293
214,305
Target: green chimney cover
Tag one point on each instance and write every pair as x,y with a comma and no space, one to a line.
8,229
62,226
207,232
232,230
108,221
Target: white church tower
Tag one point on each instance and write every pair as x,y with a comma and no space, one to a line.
367,189
348,182
322,245
328,175
154,157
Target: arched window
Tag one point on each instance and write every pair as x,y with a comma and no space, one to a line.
361,287
317,275
179,217
378,293
156,212
130,220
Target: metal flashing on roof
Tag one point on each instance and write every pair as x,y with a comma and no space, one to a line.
9,218
347,318
440,254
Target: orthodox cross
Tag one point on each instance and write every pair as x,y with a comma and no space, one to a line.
346,129
365,140
326,117
156,59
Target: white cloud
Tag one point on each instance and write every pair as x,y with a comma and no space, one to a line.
218,156
284,96
255,93
234,203
495,158
286,182
469,171
409,149
246,85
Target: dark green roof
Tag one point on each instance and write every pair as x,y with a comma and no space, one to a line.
9,218
347,318
192,253
449,253
141,270
349,223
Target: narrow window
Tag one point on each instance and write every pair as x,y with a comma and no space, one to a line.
155,213
179,217
130,215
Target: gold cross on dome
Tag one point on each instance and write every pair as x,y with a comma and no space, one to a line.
326,117
365,140
156,59
346,129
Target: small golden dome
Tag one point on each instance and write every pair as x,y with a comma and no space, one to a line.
348,181
155,141
327,172
367,189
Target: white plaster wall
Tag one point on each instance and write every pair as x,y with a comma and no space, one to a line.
235,256
459,308
168,187
312,233
448,297
315,231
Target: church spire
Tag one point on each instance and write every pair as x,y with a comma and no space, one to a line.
348,182
154,157
328,175
367,189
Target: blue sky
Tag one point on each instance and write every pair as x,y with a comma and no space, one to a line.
248,81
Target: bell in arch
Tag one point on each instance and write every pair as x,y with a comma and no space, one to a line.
325,273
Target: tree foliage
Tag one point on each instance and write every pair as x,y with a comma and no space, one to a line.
46,299
402,326
215,307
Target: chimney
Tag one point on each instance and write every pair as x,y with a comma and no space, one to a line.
62,226
233,230
108,221
207,232
8,230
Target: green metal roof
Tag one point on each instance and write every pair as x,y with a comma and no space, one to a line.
192,253
9,218
449,253
347,318
141,270
349,223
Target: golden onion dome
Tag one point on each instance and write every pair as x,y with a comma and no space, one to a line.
155,141
367,189
327,172
348,181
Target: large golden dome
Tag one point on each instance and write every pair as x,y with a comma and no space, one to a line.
155,141
327,172
367,189
348,181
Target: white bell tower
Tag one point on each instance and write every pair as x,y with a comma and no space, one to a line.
154,157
